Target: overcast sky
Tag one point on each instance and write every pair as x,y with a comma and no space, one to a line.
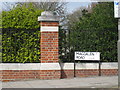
46,0
71,6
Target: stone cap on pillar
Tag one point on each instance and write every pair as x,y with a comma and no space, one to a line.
48,16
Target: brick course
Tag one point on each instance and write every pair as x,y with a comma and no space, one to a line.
11,75
46,23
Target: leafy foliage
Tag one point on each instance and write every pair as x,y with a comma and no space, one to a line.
19,43
21,17
21,46
96,32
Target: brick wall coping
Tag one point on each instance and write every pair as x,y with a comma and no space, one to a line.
49,28
48,16
56,66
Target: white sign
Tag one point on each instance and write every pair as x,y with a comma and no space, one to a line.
87,55
117,8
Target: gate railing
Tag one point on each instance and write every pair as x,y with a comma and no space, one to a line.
104,41
22,46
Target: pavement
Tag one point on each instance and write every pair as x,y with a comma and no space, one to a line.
86,82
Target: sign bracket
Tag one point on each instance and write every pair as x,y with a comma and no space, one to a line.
92,56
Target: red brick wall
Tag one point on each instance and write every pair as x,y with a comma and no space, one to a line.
88,73
50,74
10,75
47,23
49,47
49,44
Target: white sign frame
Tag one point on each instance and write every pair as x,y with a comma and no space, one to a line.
94,56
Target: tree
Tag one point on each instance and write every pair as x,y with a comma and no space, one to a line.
76,16
58,7
21,17
96,32
68,25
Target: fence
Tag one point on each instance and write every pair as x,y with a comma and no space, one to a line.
103,41
23,46
20,45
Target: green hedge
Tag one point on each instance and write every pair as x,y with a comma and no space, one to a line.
20,46
103,41
95,32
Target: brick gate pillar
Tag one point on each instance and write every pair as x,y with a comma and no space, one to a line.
50,67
